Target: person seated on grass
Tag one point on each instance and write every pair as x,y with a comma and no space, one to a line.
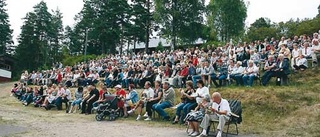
269,68
301,63
146,95
221,73
315,51
237,73
51,97
153,100
250,73
187,102
27,97
121,94
102,97
167,101
195,116
282,70
131,97
61,96
87,102
206,72
78,95
219,110
14,89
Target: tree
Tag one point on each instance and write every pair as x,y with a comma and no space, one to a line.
261,29
141,18
227,17
318,16
40,39
6,33
179,19
56,36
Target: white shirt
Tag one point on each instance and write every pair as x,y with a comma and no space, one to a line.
302,61
148,92
295,53
223,106
202,92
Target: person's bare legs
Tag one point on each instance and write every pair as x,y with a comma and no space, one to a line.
71,109
45,102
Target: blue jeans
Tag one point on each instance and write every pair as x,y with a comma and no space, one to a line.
180,108
245,79
76,102
194,80
160,108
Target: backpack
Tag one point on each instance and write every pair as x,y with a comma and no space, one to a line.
236,108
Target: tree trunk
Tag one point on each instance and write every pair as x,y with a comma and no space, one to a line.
147,27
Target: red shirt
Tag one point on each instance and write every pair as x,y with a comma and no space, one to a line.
184,72
59,77
121,92
195,61
100,93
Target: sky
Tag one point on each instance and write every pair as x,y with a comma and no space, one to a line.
276,10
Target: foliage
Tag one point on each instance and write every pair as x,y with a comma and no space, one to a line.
40,39
160,47
6,42
72,60
227,18
179,19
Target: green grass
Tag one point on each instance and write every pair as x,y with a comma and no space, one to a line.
292,110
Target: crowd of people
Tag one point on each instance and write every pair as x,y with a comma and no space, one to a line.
192,70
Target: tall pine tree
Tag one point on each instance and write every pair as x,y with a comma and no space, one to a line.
6,33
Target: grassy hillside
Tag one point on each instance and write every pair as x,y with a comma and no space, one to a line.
292,110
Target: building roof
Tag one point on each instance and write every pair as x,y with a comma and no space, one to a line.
155,41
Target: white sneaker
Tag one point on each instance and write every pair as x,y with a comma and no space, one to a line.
190,133
130,111
145,115
138,118
219,134
147,119
195,134
202,135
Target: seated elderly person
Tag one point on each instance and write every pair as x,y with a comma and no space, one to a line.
301,63
221,73
237,73
282,70
182,76
250,73
220,110
92,97
166,101
315,51
269,69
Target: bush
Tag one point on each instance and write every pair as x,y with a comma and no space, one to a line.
72,60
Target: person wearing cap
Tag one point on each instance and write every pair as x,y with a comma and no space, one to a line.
220,110
167,101
92,97
121,94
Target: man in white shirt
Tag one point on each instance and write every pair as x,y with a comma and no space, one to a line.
315,51
220,110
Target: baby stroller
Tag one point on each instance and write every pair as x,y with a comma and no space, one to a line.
109,108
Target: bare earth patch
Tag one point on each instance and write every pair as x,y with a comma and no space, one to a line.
18,120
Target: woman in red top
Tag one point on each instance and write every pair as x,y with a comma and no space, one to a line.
121,94
59,77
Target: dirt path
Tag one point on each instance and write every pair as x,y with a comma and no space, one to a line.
17,120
